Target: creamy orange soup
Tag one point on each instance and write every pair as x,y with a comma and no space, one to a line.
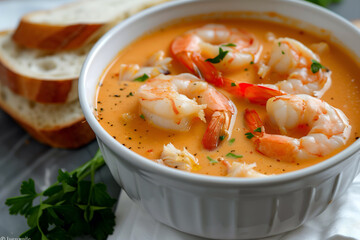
119,113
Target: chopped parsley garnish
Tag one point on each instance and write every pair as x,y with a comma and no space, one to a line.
282,52
231,141
232,155
257,129
246,69
233,84
219,57
229,45
221,138
143,78
279,43
211,160
142,116
316,66
249,135
252,62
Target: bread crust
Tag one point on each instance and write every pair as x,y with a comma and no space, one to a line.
38,90
54,37
72,135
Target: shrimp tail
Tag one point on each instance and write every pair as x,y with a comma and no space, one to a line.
253,120
198,66
254,93
214,130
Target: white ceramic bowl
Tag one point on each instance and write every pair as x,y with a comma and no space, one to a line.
219,207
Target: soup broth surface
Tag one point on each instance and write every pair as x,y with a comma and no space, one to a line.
118,110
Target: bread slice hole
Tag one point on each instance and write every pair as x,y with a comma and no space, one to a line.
47,65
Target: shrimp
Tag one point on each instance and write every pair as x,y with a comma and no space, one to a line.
327,128
172,102
175,158
156,64
237,169
197,46
302,68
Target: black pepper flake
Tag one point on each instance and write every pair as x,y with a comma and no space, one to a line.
114,137
116,95
121,89
297,163
129,138
135,130
139,142
129,147
283,170
101,109
98,101
101,118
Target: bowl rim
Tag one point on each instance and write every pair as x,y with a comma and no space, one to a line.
150,166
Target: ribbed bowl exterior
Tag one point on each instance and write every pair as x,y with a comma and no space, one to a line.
218,207
232,212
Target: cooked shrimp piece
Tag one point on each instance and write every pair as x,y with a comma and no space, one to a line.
237,169
175,158
173,102
156,64
229,49
300,66
325,128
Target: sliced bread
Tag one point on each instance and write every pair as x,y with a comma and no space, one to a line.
57,125
39,75
73,25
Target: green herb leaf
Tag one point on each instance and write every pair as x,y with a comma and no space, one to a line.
233,84
324,3
142,116
316,66
282,52
28,187
249,135
231,141
212,160
279,44
252,62
72,206
257,129
232,155
143,78
229,45
219,57
221,138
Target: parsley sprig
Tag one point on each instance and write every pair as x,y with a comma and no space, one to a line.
69,208
219,57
